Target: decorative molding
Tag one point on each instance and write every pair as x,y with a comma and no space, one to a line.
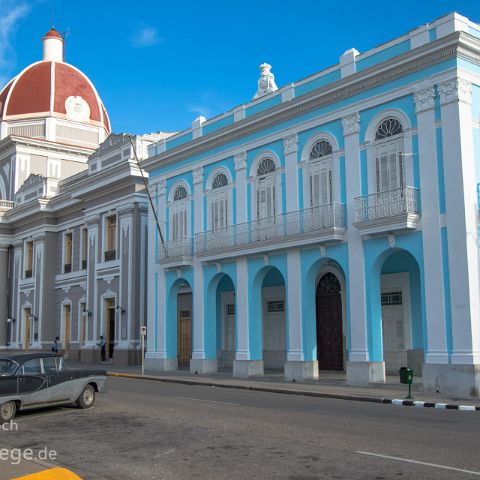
389,70
424,99
66,289
162,186
323,251
219,266
266,259
290,144
197,175
456,90
391,240
351,124
240,160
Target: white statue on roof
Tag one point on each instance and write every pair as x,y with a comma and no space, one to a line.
266,82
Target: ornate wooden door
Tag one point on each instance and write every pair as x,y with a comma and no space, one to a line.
184,337
329,323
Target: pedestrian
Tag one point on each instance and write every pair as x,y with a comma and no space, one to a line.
103,348
55,345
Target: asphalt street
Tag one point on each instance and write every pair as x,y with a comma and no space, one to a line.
154,430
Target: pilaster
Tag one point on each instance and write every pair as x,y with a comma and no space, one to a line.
290,148
431,228
462,234
241,186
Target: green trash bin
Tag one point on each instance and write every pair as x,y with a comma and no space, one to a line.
406,377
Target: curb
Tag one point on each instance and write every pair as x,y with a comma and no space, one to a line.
337,396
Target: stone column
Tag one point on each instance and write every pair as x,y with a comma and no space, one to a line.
198,363
90,351
290,149
431,229
4,325
243,365
241,187
158,357
296,367
360,369
462,376
37,325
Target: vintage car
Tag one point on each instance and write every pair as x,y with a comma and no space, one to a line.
33,380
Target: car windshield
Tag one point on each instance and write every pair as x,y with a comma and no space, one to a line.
7,367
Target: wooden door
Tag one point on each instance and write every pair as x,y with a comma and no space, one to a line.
184,336
329,323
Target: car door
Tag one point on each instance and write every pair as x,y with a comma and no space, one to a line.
59,380
32,383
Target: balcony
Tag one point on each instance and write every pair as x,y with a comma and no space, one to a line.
6,205
110,255
387,212
176,252
322,224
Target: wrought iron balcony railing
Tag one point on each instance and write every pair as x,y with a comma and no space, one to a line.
175,249
392,203
302,222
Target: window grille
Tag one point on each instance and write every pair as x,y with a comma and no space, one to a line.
180,193
267,165
388,128
321,148
275,306
220,181
392,298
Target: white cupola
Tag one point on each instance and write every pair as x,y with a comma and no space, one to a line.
53,46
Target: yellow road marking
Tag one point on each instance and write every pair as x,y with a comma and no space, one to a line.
51,474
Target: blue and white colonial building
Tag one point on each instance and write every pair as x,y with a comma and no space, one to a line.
331,224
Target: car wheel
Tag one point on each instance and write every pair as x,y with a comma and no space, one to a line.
87,397
7,411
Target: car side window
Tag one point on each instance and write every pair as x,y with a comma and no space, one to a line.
49,365
32,367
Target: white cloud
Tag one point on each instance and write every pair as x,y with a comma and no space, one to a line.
145,37
12,12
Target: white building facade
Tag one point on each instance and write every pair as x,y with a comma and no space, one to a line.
328,225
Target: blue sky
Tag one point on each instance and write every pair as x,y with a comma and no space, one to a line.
158,65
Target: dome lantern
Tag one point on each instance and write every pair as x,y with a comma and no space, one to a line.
53,46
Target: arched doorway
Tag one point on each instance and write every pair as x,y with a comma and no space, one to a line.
274,322
220,320
184,325
401,312
329,323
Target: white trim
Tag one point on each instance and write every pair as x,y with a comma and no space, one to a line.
66,301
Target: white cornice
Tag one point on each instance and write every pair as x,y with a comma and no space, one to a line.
387,71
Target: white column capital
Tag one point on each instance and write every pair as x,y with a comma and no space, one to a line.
424,99
197,175
351,124
240,160
455,90
290,144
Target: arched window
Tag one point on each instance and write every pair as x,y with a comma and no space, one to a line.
219,202
266,166
265,189
320,149
179,214
180,193
389,150
321,174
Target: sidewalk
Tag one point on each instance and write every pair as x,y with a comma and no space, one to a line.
329,385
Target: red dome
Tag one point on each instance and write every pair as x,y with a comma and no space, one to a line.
52,33
53,89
